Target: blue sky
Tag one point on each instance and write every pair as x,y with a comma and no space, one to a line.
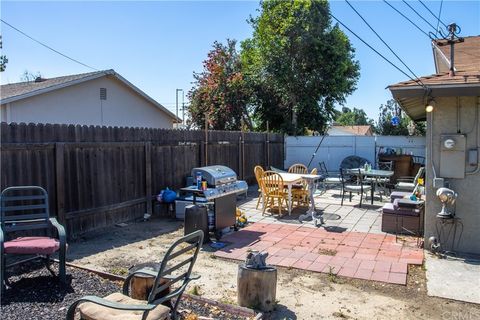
157,45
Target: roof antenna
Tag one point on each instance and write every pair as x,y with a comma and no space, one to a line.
453,30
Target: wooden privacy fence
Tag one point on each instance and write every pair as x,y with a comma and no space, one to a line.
98,176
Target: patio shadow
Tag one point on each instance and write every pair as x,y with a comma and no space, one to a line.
43,288
335,229
282,312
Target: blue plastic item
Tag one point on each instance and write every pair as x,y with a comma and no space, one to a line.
168,196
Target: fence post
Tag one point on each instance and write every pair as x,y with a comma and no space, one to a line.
148,176
60,181
243,154
240,151
206,139
267,149
267,146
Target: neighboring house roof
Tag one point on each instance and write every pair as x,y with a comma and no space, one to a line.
351,130
22,90
412,95
466,55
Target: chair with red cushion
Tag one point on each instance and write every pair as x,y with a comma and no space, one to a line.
22,209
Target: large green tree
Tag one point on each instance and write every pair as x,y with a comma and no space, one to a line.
220,91
353,117
387,127
298,64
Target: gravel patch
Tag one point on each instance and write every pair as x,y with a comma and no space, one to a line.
35,294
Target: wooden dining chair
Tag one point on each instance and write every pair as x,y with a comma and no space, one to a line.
301,195
298,168
258,170
274,189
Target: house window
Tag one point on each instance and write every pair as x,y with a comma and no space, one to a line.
103,93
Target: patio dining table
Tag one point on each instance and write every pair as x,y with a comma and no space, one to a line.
373,173
289,179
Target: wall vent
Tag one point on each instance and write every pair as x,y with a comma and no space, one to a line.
103,93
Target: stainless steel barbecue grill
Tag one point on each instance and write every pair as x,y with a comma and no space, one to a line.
222,190
221,181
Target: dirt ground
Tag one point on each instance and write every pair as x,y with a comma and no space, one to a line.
300,294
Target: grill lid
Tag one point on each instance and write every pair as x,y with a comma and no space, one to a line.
216,175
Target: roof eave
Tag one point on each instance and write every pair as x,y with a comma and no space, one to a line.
412,98
440,90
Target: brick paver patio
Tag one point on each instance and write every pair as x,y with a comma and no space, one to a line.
351,246
353,254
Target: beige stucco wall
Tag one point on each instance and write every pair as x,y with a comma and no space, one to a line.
445,121
81,104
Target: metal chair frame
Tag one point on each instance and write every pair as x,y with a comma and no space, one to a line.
412,180
382,185
327,178
165,273
354,175
11,222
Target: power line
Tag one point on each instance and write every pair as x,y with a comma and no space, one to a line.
46,46
436,17
439,15
372,48
400,13
418,14
379,37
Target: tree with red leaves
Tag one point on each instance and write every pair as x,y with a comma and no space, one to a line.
220,91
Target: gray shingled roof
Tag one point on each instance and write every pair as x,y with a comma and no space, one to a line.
17,91
21,88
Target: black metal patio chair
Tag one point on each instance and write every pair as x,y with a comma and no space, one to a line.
352,182
26,208
171,273
328,179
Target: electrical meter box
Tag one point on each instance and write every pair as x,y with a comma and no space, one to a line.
452,156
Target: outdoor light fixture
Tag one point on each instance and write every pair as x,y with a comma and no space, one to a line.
447,197
430,106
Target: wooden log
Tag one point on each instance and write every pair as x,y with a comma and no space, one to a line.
257,288
141,285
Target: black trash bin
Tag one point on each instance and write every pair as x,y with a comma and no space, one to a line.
196,218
